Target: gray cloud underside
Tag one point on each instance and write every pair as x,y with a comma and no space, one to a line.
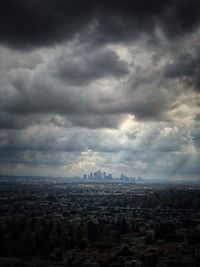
187,68
87,64
67,86
38,23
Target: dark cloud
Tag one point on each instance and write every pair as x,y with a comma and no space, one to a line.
12,121
186,68
62,86
39,23
65,87
45,96
84,65
50,138
149,101
96,121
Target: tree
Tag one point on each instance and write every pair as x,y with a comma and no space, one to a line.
92,231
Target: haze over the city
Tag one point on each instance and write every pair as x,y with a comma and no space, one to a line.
110,85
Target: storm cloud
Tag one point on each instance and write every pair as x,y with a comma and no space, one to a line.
186,68
87,64
34,23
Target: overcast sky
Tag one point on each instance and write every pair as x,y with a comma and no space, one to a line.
96,84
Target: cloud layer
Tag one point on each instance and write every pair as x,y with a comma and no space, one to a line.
27,24
100,84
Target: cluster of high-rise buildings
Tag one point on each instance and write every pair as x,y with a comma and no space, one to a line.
98,176
103,176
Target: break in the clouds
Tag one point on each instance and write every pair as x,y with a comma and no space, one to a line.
100,84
